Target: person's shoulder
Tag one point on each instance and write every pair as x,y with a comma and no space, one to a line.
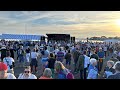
112,77
11,76
33,76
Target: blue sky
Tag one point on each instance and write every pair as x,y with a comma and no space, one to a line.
77,23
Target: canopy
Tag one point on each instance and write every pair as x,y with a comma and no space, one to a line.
21,37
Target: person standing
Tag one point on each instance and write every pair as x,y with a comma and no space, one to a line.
101,56
12,51
51,63
34,62
68,57
105,50
3,52
9,61
28,54
60,55
76,55
83,63
95,56
44,55
92,70
21,54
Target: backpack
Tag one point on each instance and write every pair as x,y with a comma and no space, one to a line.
69,75
65,75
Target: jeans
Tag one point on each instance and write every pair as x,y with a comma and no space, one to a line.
21,58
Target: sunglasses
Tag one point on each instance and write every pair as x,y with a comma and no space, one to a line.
26,71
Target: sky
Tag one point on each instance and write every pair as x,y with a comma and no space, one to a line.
80,24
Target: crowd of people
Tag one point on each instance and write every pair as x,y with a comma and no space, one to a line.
60,60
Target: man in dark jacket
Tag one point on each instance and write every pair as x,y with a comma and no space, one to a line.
117,71
76,55
3,52
80,65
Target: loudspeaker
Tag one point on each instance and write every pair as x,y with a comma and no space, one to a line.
74,39
42,37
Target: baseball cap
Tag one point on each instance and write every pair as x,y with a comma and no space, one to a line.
3,66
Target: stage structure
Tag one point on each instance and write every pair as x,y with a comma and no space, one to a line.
58,37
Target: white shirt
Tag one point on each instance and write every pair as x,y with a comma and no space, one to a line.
64,52
8,61
105,48
36,46
31,76
56,51
10,76
86,61
34,55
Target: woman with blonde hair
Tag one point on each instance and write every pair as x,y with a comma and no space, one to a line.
63,72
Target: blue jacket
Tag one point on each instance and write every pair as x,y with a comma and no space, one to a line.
92,72
101,54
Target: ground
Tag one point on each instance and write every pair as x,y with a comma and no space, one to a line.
19,70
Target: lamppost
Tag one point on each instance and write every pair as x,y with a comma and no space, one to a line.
25,31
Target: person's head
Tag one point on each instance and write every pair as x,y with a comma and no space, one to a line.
59,66
34,50
68,51
45,48
47,72
117,66
60,49
84,52
21,47
110,63
93,61
51,55
93,51
8,54
27,47
100,49
3,70
27,70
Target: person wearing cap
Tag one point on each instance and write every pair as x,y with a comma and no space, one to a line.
101,55
92,70
3,72
117,71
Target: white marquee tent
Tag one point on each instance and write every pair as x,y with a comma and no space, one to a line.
21,37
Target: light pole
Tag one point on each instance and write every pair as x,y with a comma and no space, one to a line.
25,31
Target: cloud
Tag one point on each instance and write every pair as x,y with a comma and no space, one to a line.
73,22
